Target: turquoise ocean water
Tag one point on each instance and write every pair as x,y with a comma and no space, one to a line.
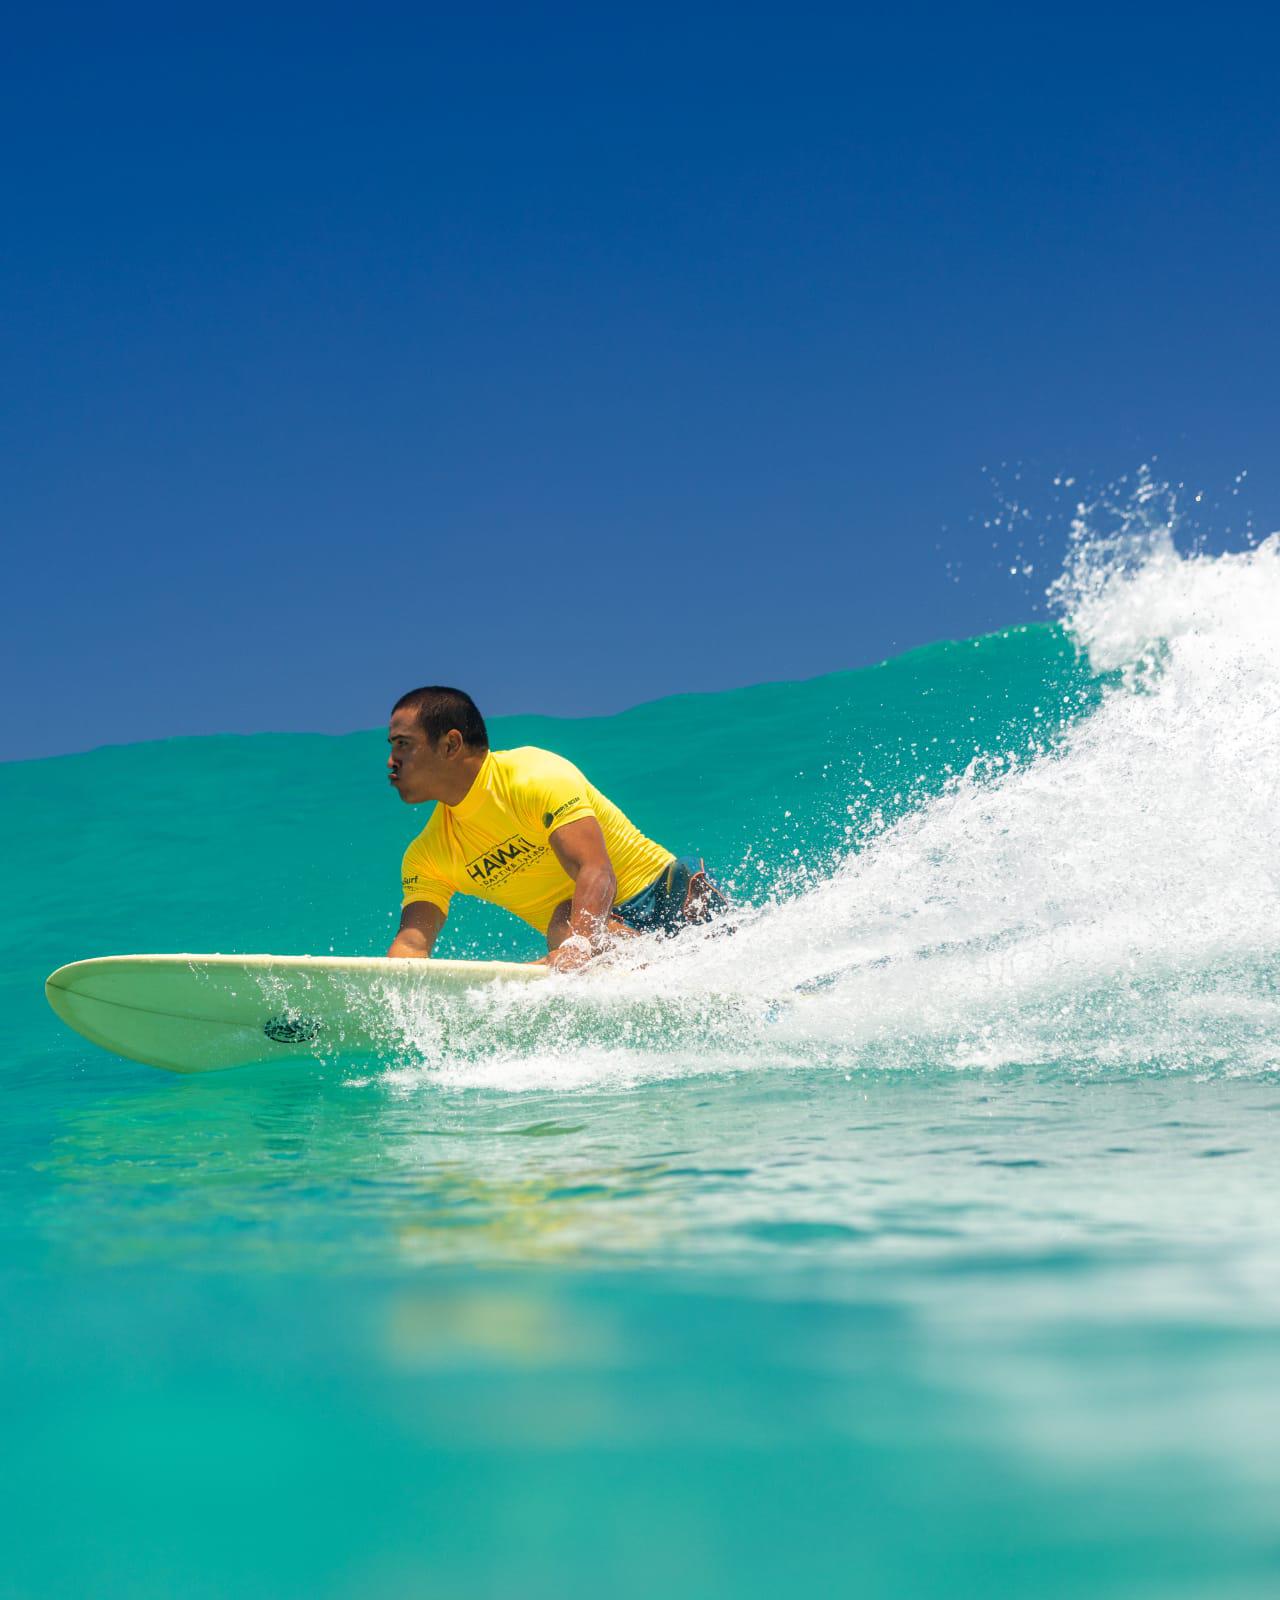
922,1238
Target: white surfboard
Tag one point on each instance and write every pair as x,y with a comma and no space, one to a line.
202,1013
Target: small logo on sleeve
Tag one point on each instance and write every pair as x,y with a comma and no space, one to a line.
548,817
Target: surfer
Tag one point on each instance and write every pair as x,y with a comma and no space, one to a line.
524,829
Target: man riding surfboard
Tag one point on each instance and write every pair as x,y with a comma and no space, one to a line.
525,830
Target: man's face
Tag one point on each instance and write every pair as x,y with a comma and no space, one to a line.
414,766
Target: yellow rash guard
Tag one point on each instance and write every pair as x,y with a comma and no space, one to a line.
493,844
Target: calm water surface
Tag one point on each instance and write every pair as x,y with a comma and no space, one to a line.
1000,1333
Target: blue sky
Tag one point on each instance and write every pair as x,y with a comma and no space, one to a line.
581,355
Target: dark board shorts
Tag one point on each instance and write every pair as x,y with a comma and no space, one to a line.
681,896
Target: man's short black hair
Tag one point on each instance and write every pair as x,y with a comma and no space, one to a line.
438,709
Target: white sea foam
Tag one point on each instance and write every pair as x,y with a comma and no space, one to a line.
1112,902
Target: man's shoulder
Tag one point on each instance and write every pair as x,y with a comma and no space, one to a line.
421,842
525,752
531,761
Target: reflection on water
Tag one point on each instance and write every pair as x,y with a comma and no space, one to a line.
354,1173
711,1336
495,1342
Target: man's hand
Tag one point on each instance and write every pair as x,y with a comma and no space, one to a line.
574,953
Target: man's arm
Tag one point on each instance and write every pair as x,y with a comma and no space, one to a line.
582,852
420,922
